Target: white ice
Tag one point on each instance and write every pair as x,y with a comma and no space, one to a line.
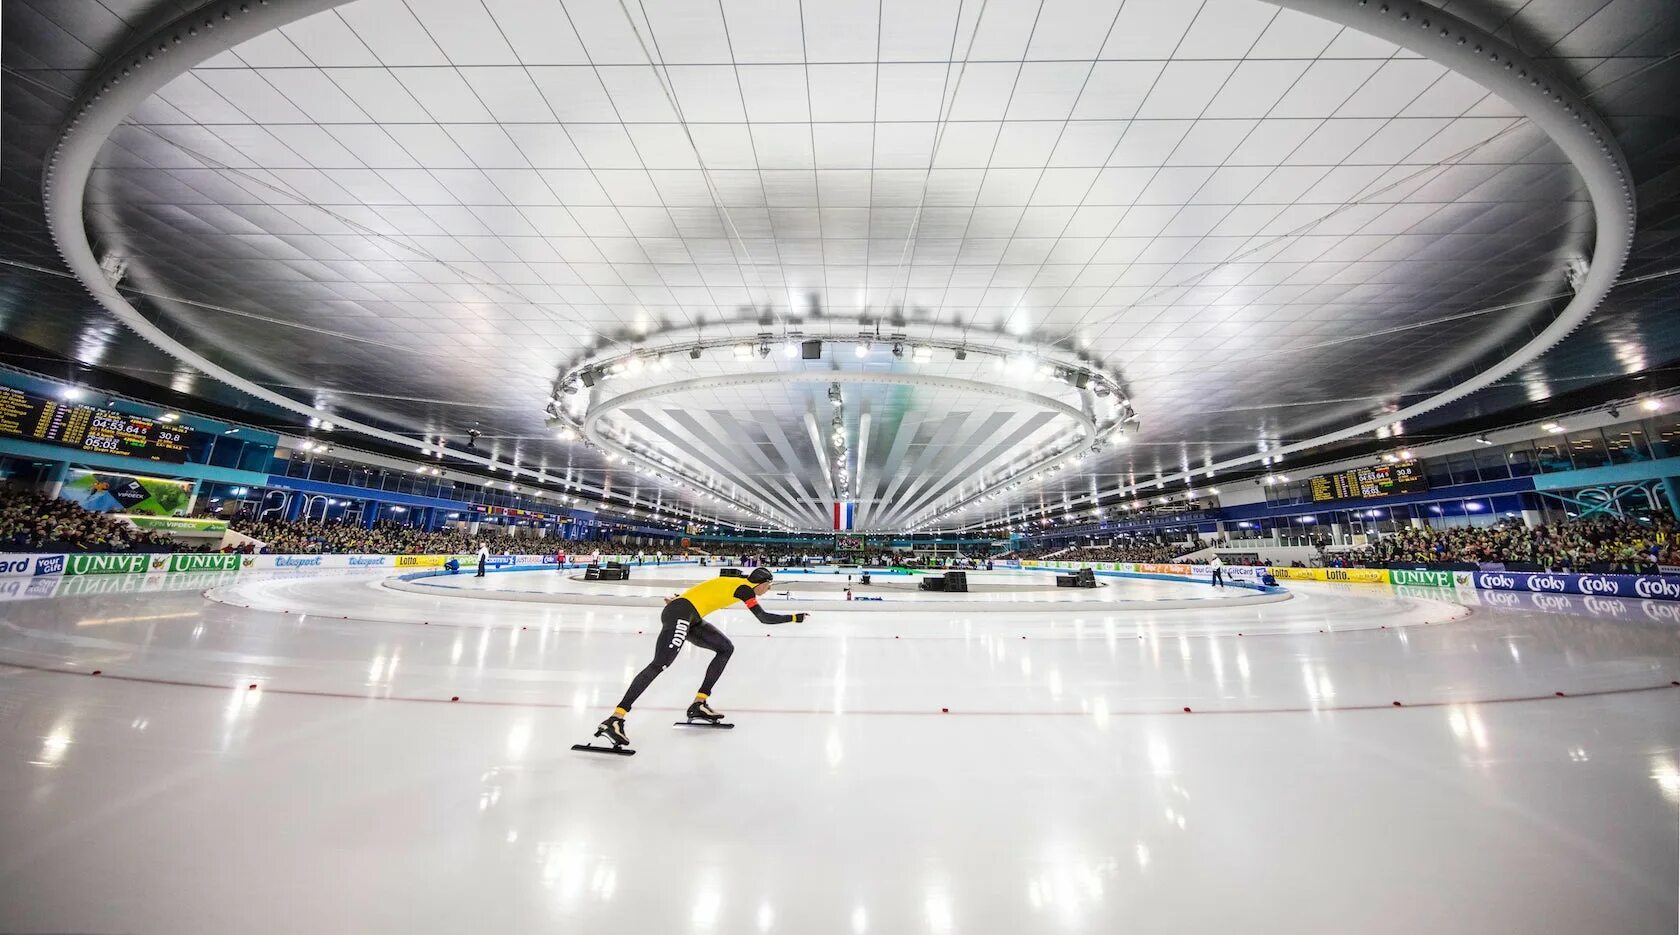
997,768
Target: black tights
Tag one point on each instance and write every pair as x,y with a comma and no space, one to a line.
680,624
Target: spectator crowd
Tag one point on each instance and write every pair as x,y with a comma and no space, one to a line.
383,539
30,522
1634,546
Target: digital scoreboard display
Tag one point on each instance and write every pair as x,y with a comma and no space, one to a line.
1379,480
90,428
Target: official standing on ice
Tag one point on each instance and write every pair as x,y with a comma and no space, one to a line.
1218,576
483,559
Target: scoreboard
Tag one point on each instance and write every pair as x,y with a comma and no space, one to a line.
91,428
1364,483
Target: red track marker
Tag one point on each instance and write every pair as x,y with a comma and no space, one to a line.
1398,705
458,698
98,671
944,710
1186,710
251,687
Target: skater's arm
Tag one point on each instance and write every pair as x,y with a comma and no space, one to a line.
749,597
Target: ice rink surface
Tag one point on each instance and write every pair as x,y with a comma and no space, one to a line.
281,753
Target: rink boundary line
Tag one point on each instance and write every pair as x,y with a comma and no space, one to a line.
1233,634
874,712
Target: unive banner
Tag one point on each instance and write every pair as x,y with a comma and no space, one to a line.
107,564
211,561
1420,577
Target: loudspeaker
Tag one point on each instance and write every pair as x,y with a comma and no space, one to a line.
731,573
1081,379
589,378
810,350
956,581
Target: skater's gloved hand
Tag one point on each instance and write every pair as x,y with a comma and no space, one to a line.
801,618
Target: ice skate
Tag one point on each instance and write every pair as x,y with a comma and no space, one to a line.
700,714
613,730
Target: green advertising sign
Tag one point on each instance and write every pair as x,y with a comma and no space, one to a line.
1428,579
178,524
106,564
206,562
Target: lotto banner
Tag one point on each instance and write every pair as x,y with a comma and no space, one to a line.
1356,575
419,561
1297,574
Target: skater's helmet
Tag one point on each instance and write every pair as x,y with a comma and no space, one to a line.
760,575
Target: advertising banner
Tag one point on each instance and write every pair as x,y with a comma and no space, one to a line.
1422,578
1356,575
1655,587
24,565
419,561
177,524
127,493
106,564
1152,569
1229,572
204,562
1297,574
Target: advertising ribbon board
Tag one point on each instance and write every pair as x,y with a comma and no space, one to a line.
188,561
1421,578
1655,587
1357,575
176,523
420,561
106,564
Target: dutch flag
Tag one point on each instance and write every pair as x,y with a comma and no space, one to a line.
842,515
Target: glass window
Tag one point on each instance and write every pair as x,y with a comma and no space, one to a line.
1664,436
1463,467
1491,464
1520,458
1626,443
1551,454
1587,449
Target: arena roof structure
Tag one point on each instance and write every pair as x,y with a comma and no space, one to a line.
939,260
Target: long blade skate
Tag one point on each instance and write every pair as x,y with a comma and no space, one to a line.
593,748
716,725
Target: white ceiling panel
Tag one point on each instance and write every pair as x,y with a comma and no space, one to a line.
508,93
922,32
462,30
1149,29
384,30
765,31
1225,29
540,33
1165,181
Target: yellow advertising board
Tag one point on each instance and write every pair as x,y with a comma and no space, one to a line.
1348,575
1357,575
419,561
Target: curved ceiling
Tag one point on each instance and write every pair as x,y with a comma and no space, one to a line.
420,210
